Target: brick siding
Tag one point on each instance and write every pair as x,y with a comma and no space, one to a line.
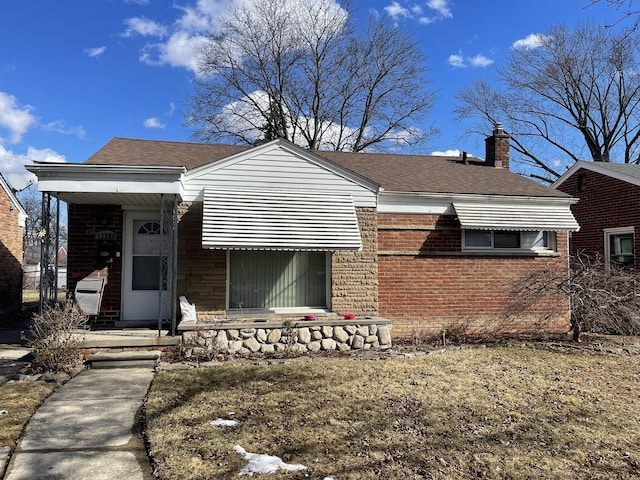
85,221
605,202
426,282
11,249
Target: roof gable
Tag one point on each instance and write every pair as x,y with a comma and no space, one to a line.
625,172
279,165
11,195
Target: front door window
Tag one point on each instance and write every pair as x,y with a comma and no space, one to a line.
146,256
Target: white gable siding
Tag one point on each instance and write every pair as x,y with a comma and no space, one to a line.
277,169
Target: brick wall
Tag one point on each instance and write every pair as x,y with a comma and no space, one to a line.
605,202
426,283
11,237
85,221
354,275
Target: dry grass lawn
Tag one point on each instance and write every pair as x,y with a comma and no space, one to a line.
20,401
476,413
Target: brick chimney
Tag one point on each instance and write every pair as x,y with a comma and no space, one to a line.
497,148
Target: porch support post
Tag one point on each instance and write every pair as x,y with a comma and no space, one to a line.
48,259
161,280
174,267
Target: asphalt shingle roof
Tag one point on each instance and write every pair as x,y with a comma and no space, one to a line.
394,172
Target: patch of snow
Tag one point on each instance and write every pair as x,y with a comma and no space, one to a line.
258,463
221,422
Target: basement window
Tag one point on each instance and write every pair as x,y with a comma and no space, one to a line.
508,240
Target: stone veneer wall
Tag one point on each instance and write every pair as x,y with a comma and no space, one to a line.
204,340
354,275
201,272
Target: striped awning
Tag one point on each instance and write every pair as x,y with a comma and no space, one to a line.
279,220
522,217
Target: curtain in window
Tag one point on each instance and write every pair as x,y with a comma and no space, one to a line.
277,279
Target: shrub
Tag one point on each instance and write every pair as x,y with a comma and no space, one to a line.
54,339
603,300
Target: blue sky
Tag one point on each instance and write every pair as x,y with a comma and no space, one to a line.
76,73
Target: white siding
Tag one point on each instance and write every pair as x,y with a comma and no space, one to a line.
276,168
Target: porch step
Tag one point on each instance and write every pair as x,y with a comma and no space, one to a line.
148,358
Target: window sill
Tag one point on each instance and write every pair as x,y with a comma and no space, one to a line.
473,253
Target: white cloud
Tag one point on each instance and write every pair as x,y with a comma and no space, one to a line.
439,9
59,126
447,153
181,50
144,27
396,10
440,6
15,118
139,2
457,60
95,52
531,41
480,61
13,163
153,122
185,36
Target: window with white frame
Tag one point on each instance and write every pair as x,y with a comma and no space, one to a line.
508,240
268,279
619,247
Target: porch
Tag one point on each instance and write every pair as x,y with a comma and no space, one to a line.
247,337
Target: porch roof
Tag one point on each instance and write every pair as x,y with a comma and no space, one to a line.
105,184
270,219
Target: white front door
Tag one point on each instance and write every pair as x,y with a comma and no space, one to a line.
141,267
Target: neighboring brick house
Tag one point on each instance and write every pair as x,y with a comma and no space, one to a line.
429,242
608,210
12,222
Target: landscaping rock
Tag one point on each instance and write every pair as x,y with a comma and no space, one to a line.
340,334
358,342
304,335
384,335
251,344
274,335
328,344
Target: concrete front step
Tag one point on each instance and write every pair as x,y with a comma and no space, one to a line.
134,359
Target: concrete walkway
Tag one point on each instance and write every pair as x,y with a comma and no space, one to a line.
88,429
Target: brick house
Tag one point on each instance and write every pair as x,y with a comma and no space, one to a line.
12,223
427,242
607,210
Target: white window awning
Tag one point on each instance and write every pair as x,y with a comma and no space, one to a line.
522,217
279,220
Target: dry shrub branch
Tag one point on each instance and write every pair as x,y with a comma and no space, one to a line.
54,340
603,300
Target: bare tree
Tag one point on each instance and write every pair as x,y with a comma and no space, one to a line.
572,95
307,75
626,9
